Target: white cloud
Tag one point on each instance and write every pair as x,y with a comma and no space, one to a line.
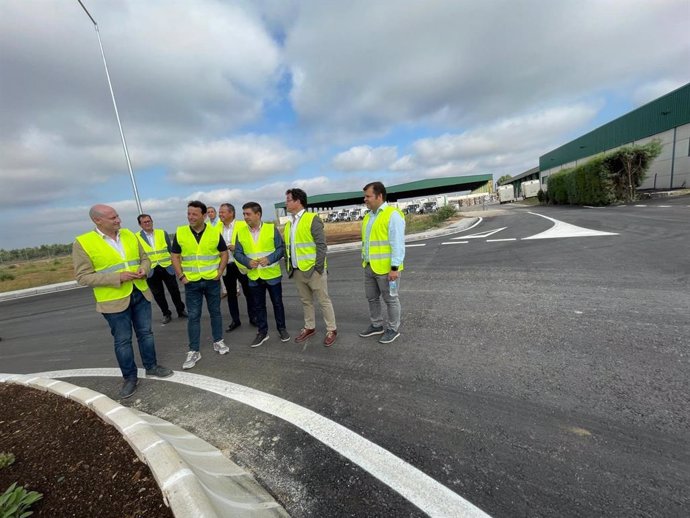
241,160
365,158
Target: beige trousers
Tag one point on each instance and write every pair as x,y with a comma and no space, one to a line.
310,288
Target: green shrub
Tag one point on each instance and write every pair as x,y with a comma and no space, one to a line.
15,502
4,276
541,196
6,459
443,213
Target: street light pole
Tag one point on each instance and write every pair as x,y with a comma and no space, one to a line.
117,114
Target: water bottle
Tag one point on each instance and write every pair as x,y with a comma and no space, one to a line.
393,288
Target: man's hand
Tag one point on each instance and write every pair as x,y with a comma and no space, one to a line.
393,275
220,274
263,261
253,263
129,276
231,248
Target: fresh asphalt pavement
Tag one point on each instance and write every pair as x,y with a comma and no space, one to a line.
533,377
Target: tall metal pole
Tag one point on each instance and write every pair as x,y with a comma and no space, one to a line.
117,114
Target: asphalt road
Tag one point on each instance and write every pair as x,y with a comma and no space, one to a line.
534,377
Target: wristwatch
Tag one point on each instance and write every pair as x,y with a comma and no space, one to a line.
394,268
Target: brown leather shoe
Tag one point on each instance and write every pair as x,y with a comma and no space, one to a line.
304,334
330,338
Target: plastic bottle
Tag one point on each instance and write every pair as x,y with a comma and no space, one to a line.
393,288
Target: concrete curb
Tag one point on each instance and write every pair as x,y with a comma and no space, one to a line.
343,247
39,290
196,480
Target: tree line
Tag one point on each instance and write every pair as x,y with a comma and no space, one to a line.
36,252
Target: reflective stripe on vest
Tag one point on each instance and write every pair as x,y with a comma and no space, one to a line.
105,259
261,248
159,256
199,260
379,245
305,247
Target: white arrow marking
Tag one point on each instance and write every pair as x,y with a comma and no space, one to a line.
482,235
562,229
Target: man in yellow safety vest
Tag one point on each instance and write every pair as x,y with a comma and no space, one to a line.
259,248
199,256
383,252
156,244
111,261
305,252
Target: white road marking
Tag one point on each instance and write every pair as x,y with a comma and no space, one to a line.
455,242
497,240
410,246
562,229
639,205
482,235
664,206
420,489
592,207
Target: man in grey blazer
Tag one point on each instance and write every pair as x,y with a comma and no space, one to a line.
156,244
305,252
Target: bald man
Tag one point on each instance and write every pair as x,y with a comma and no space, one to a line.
112,262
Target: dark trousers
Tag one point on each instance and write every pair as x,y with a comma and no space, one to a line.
275,291
232,275
155,282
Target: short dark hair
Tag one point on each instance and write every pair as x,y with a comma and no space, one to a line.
229,206
378,188
210,207
198,204
298,195
255,207
142,216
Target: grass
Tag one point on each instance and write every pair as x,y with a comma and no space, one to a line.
29,274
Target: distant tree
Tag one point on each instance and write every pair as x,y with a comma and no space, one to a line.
628,167
503,179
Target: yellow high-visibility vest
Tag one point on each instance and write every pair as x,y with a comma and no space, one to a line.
199,260
379,245
106,259
158,253
263,247
305,248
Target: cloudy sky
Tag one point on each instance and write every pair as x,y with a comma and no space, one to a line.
240,100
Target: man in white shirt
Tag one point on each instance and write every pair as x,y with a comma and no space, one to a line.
229,229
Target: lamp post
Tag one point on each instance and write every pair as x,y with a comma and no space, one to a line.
117,115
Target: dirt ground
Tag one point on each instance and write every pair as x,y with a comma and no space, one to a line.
83,466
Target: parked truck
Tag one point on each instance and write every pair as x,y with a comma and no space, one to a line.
530,188
506,193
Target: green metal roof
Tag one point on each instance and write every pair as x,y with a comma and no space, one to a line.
426,187
662,114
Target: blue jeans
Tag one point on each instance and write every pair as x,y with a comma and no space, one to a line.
138,316
275,291
194,293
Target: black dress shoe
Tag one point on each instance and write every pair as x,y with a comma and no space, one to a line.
233,326
129,387
166,319
182,314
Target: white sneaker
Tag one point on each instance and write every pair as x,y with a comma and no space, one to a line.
220,347
192,358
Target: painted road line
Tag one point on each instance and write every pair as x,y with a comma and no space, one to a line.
497,240
562,229
455,242
664,206
417,487
411,246
639,205
482,235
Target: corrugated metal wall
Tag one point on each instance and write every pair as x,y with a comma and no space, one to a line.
663,114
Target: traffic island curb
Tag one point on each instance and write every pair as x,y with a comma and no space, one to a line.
196,480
